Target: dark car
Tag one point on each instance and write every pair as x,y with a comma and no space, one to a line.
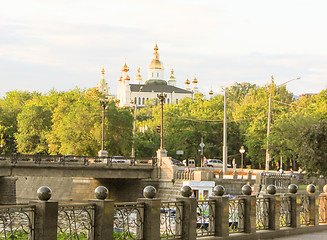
176,162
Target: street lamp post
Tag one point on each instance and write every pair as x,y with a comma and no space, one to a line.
269,118
162,98
225,135
161,151
104,104
242,151
134,126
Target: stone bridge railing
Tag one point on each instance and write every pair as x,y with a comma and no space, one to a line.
150,218
62,160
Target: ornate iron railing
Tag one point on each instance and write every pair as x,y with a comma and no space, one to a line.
285,211
76,220
322,208
236,215
304,210
205,224
128,220
17,222
171,219
262,213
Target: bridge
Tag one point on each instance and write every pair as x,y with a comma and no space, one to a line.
72,177
56,166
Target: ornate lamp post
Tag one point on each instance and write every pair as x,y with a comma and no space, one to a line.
104,103
161,151
242,150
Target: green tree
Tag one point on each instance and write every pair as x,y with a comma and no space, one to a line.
34,123
11,105
312,148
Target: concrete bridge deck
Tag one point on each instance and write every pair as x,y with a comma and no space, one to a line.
75,169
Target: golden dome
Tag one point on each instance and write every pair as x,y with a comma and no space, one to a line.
195,80
125,68
127,78
102,70
211,92
172,75
138,76
156,64
187,81
120,79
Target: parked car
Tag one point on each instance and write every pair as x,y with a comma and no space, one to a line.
216,163
176,162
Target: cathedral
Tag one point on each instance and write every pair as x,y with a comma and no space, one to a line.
140,92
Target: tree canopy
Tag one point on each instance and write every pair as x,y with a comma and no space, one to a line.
71,123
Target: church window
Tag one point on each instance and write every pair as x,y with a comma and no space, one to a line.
147,98
176,101
143,101
139,101
135,101
168,100
157,74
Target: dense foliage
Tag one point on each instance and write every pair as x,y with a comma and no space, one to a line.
70,123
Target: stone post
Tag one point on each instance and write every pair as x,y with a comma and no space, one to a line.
314,209
295,209
103,219
221,216
46,220
249,214
151,225
189,217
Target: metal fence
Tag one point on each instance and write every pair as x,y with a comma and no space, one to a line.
304,210
322,208
17,222
236,215
285,211
128,220
171,218
205,224
76,221
262,213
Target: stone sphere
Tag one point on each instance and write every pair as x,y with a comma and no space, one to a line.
271,189
149,192
219,190
325,188
292,188
186,191
311,188
101,192
246,190
44,193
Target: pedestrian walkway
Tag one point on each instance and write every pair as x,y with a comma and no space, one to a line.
312,236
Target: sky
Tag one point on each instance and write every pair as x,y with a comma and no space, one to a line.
63,44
